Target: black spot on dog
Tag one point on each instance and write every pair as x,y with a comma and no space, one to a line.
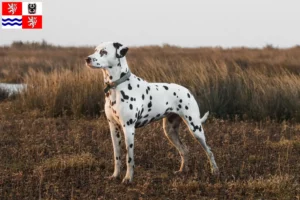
189,96
122,74
129,87
120,142
196,127
117,158
138,85
131,145
137,125
179,106
168,110
186,107
140,113
158,115
129,160
143,96
130,122
144,122
152,119
139,79
110,77
124,95
180,101
132,133
167,103
190,118
149,110
146,116
117,45
122,100
150,104
118,135
174,93
130,106
150,97
166,87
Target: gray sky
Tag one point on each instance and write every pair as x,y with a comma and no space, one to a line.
189,23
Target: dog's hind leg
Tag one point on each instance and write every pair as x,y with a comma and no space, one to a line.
195,125
171,128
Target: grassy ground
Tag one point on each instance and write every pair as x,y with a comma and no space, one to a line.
60,158
55,143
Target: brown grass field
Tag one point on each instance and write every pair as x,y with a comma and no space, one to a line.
55,141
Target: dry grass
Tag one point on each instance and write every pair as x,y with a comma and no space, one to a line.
54,144
244,83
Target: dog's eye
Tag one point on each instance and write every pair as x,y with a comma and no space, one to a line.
103,52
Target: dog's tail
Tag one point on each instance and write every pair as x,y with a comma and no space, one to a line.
204,118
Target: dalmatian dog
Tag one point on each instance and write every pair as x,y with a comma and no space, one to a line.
132,102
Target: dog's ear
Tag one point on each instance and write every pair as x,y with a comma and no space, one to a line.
120,50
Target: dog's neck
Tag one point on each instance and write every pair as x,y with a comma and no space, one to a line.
113,73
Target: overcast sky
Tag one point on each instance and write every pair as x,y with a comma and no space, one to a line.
189,23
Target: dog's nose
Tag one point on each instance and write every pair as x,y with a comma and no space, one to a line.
88,60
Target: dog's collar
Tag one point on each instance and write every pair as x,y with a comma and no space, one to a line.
114,84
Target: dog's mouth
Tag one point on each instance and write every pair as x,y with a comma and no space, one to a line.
92,66
96,67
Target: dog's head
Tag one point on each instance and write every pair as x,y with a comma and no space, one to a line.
31,8
107,54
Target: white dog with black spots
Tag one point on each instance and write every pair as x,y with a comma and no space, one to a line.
132,102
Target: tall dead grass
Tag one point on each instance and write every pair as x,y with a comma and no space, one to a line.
73,93
245,83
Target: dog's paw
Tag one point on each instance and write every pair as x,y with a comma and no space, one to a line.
215,171
126,180
183,170
178,172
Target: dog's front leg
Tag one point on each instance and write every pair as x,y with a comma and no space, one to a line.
116,140
129,142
